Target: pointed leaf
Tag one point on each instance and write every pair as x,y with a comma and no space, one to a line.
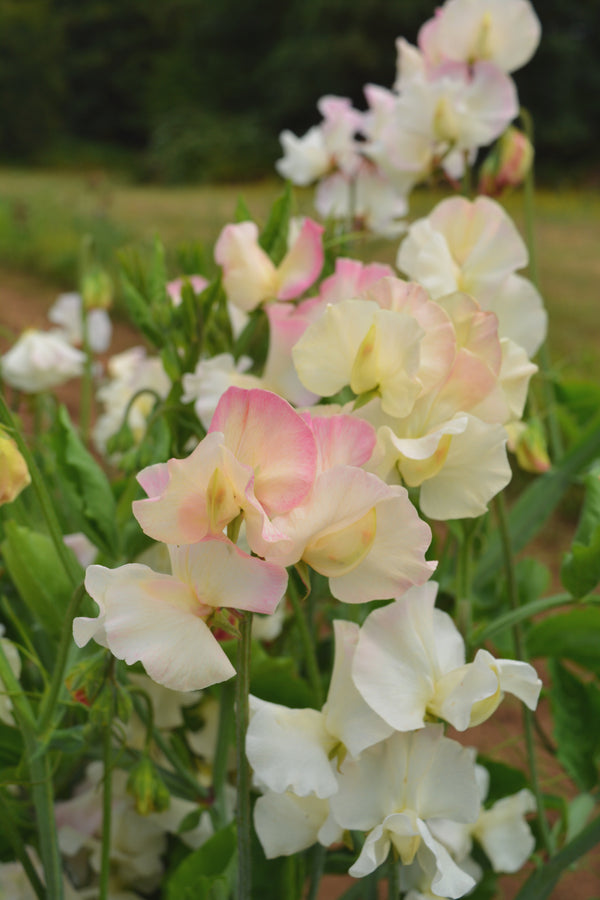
576,712
574,635
207,873
274,238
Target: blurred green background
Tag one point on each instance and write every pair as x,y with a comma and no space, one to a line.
180,90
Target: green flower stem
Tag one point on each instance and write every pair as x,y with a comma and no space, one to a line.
393,877
106,813
316,871
87,392
463,584
10,829
308,643
515,616
50,698
244,873
41,781
513,595
540,884
224,735
554,433
141,708
67,559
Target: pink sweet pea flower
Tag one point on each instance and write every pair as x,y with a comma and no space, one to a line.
258,458
175,287
249,275
163,620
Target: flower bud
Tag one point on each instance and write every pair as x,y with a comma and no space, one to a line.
508,163
97,289
14,474
147,788
528,442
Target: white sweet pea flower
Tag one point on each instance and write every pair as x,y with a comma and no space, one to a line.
67,313
475,247
286,823
395,789
40,361
295,750
410,663
161,620
210,379
504,32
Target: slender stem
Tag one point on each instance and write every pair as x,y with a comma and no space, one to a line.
224,734
308,644
244,875
463,584
393,878
68,561
106,813
40,776
85,407
556,443
316,871
513,595
540,884
11,831
49,701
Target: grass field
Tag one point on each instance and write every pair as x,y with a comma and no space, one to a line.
44,215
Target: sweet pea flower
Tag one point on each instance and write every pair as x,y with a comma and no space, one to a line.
367,198
357,343
504,32
395,790
474,247
40,361
67,313
163,620
259,458
324,147
249,275
14,474
205,386
130,373
410,663
292,749
174,288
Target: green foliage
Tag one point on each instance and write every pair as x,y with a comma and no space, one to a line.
84,486
37,572
576,713
573,635
580,571
207,873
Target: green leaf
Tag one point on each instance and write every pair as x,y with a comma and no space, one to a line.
504,780
576,713
274,237
139,311
207,873
529,514
574,635
11,746
86,487
540,884
580,571
38,574
242,213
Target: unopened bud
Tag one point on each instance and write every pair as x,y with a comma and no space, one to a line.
14,474
147,788
508,163
528,442
97,289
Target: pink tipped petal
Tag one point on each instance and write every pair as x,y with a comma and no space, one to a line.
154,619
303,262
342,440
351,279
266,434
249,276
287,324
154,479
223,576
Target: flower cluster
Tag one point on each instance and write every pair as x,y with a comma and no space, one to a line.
452,96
